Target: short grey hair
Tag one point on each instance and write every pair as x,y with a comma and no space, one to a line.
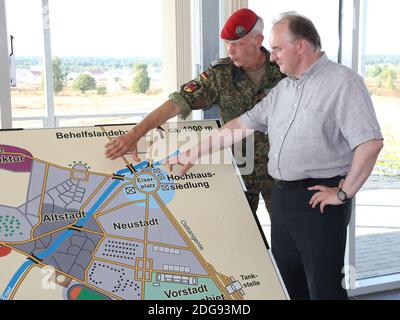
301,27
258,27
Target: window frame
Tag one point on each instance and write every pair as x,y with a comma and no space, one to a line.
5,93
354,17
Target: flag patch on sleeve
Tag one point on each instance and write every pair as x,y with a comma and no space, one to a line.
191,87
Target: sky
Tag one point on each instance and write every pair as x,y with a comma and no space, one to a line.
126,28
122,28
382,29
382,21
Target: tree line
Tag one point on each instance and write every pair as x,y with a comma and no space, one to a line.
85,82
81,64
383,78
382,70
382,59
78,64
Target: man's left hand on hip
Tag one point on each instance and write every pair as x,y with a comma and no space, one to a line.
325,196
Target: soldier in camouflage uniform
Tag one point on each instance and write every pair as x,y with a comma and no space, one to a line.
229,84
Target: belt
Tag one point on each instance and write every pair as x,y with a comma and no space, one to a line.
334,181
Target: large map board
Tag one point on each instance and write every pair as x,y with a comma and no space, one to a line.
74,225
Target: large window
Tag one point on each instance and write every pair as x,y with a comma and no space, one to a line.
106,60
24,24
378,204
109,55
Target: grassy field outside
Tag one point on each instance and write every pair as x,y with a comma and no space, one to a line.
388,113
32,103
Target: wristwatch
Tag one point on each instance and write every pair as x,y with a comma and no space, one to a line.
342,196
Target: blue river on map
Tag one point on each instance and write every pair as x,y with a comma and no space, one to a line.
165,196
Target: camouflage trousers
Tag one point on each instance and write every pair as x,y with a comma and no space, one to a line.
254,188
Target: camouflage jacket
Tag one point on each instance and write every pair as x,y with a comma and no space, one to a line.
228,86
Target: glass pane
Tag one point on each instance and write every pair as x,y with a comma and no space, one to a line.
324,14
378,203
24,23
28,124
106,56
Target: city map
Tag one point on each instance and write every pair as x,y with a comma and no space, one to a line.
76,226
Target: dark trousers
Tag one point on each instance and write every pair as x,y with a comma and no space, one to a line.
308,246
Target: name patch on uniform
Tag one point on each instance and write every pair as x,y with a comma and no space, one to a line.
191,87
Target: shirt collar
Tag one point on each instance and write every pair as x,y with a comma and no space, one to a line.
315,67
238,72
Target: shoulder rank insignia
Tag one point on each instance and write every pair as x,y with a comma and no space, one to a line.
220,62
191,87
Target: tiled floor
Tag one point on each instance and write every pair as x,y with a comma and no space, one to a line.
378,227
376,254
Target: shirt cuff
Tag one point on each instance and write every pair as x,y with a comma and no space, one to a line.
357,139
181,102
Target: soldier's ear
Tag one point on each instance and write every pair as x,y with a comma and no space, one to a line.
259,40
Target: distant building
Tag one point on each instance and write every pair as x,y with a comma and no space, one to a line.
96,74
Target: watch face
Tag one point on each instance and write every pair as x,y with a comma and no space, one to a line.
341,195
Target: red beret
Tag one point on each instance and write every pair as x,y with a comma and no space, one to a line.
239,24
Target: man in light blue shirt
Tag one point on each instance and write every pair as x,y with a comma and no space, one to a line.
324,142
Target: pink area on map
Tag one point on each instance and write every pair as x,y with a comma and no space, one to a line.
15,159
